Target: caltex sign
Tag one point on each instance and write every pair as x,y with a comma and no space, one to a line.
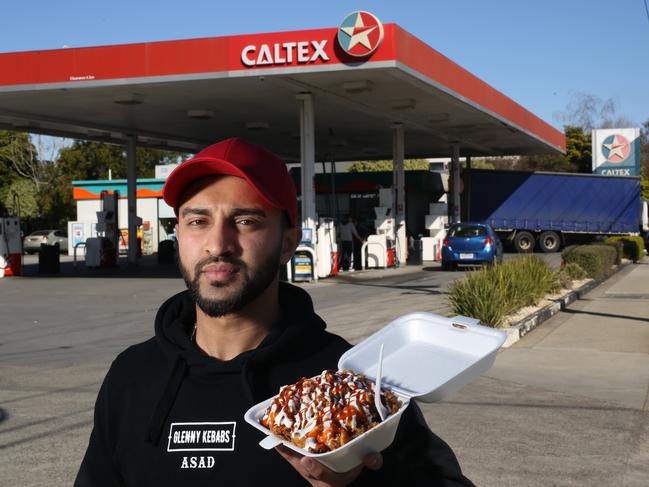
360,34
616,152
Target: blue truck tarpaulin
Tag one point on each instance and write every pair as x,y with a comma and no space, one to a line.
579,203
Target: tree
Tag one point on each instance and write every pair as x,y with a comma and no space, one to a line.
22,200
387,165
644,184
578,149
576,159
92,160
644,160
8,172
482,163
18,149
591,112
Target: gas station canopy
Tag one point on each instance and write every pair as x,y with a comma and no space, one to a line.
185,94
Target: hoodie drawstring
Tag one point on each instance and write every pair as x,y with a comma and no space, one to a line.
166,402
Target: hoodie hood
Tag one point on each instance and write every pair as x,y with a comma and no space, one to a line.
298,324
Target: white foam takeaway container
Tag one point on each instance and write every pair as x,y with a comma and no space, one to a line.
426,357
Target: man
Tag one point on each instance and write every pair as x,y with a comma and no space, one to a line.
170,411
347,234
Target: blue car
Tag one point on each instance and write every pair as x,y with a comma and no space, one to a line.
470,244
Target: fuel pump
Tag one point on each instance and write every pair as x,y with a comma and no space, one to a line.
101,251
11,247
326,248
380,247
303,265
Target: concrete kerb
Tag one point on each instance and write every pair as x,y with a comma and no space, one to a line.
523,327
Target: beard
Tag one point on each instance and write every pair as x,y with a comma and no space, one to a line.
253,283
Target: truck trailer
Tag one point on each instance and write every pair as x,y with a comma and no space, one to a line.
551,209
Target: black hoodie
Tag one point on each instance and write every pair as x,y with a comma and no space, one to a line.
168,414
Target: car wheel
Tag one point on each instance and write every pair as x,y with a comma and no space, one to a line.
524,242
549,242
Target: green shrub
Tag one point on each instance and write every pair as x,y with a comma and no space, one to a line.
493,293
619,249
574,271
596,259
571,272
565,280
633,246
566,251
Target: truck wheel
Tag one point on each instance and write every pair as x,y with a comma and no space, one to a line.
524,242
549,242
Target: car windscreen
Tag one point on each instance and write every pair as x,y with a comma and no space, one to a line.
39,233
465,231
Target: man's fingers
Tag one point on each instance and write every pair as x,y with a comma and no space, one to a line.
373,461
291,457
317,471
319,474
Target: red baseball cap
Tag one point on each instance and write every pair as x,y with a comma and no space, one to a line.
263,170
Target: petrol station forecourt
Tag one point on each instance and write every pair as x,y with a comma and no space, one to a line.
410,109
364,90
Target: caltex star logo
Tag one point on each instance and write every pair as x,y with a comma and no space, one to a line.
616,148
360,34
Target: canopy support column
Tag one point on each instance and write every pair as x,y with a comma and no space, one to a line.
131,181
307,160
455,188
399,191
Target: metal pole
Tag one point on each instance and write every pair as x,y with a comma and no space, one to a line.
467,188
334,197
455,176
131,181
333,190
399,185
307,160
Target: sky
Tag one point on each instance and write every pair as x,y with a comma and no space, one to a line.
543,54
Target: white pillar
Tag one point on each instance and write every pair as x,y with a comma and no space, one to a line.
131,181
455,189
399,192
307,160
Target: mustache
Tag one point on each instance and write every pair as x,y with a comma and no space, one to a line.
216,259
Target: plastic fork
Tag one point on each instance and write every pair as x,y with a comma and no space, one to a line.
383,412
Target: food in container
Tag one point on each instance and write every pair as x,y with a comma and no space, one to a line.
326,412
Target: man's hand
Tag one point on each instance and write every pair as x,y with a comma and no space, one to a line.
320,476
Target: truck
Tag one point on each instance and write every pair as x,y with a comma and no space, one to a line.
550,209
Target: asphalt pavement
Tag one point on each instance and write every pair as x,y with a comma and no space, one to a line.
567,405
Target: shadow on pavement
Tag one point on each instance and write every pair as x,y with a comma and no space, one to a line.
412,289
541,406
608,315
147,267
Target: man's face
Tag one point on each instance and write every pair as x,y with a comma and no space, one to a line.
230,243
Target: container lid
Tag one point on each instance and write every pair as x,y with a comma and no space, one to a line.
426,356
